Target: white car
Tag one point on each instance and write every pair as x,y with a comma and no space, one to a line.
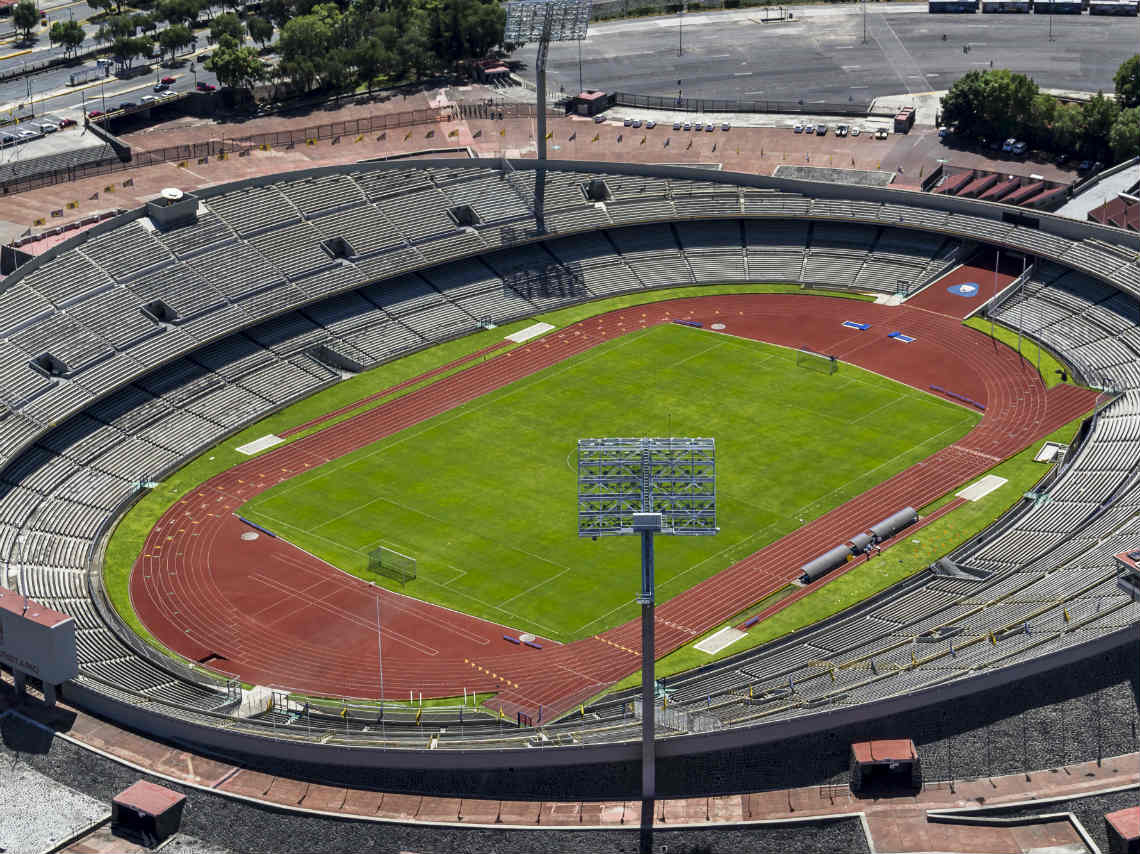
855,131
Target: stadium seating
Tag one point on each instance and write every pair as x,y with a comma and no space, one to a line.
248,292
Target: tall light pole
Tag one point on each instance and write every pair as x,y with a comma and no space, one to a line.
681,29
647,486
544,21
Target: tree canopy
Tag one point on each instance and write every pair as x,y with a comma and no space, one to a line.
998,104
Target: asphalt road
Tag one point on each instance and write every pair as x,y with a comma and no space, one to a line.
821,55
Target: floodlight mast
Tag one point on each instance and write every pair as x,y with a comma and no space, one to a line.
647,486
544,21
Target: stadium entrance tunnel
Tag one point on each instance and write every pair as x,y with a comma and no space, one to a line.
885,768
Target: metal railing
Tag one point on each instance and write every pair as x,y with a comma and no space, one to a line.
721,105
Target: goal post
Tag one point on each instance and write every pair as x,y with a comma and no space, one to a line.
813,361
391,564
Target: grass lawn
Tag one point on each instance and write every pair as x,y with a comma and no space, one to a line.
483,496
130,533
898,562
1029,349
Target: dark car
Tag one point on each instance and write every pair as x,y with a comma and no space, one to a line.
1085,166
126,105
1061,159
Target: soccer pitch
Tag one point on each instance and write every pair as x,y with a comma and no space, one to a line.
484,496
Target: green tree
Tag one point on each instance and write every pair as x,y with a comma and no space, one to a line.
179,11
1099,114
69,33
277,11
963,106
1068,128
306,42
176,38
1043,113
236,65
25,16
1127,82
227,24
127,49
260,30
1124,138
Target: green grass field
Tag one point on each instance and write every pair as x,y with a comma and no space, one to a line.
484,496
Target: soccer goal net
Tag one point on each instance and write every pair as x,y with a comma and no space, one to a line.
814,361
392,564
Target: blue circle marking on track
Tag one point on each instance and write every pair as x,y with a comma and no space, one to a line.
964,289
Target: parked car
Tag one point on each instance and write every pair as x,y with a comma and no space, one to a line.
1084,166
167,81
66,123
1061,159
710,127
855,131
1008,145
725,126
841,130
598,119
881,133
676,125
7,139
627,123
698,126
650,124
821,130
1019,148
27,134
637,123
94,114
47,127
203,86
943,133
994,146
797,129
688,126
810,129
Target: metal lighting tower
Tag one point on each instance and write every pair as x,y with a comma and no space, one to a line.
646,486
544,21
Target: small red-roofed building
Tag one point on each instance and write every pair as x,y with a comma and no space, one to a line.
147,810
885,765
1123,830
36,641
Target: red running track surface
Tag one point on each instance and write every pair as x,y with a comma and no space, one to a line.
275,615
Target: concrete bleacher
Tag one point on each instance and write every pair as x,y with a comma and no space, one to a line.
252,292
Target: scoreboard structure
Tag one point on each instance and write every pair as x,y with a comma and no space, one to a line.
38,642
1128,578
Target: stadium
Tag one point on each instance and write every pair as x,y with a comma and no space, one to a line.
296,456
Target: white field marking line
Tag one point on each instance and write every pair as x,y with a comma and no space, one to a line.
348,512
763,531
253,615
908,389
550,636
273,584
548,632
404,548
871,412
540,376
902,453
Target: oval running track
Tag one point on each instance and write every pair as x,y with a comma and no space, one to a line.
275,615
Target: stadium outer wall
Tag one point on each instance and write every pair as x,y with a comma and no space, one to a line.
674,751
712,763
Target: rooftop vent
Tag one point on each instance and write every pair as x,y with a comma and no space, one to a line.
337,247
49,365
464,215
596,190
159,312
